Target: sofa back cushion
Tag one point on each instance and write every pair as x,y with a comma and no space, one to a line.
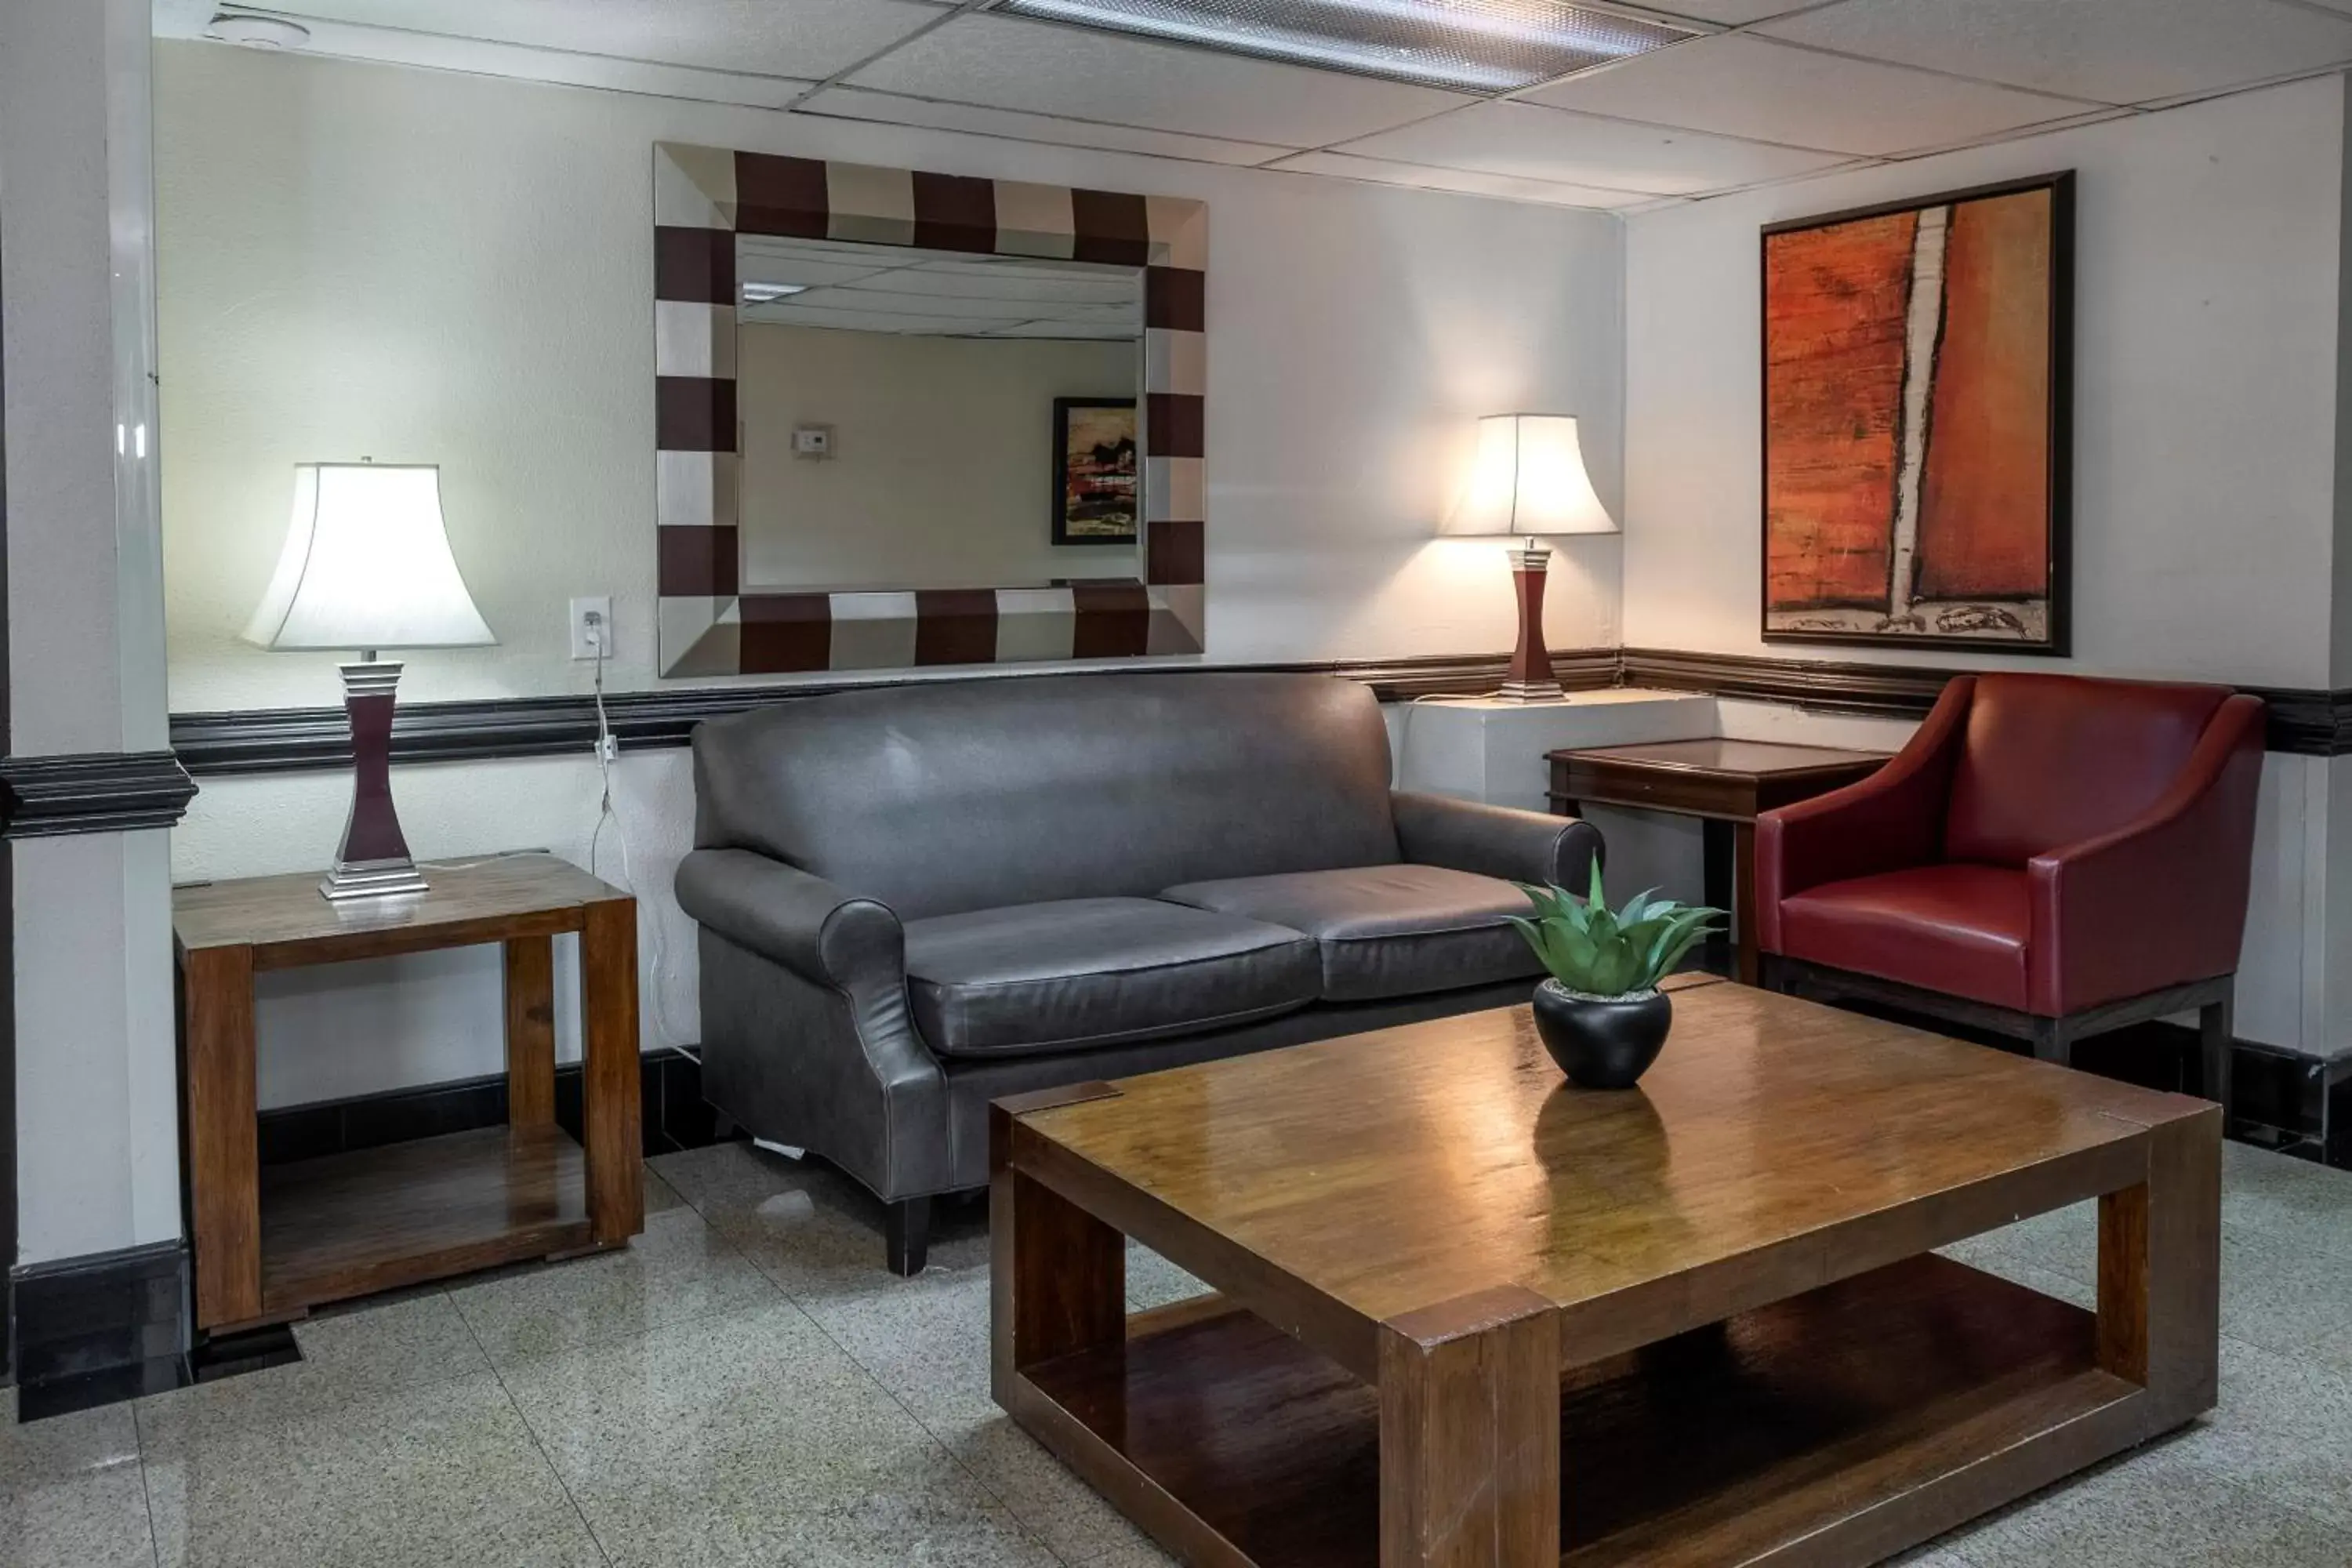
2052,760
968,794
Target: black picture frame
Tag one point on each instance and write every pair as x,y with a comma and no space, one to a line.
2058,639
1062,408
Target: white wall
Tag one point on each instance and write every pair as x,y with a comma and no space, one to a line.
358,259
2208,245
96,1111
411,264
368,259
941,473
2210,262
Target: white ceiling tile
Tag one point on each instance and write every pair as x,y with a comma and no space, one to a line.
1009,285
1737,84
806,38
792,313
1469,181
856,103
1537,144
1005,62
2115,51
1730,13
1085,330
877,301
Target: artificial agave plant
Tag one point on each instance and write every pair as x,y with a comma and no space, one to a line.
1597,952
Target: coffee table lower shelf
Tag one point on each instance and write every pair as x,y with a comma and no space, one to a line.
1839,1426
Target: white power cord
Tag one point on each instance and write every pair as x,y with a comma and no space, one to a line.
607,751
1404,737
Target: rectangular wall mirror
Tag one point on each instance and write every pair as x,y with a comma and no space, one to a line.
926,417
910,419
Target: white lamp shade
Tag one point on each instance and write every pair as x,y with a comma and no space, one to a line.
366,565
1530,478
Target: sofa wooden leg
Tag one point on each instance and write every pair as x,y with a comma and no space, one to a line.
2052,1042
906,1235
2216,1040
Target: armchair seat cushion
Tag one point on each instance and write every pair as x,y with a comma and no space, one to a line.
1385,931
1955,928
1075,973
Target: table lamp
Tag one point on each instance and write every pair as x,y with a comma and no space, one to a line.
367,566
1530,480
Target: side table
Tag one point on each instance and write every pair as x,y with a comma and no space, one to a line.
1724,783
271,1243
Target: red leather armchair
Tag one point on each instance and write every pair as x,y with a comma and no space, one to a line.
2051,856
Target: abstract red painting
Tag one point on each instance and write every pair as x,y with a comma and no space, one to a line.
1915,435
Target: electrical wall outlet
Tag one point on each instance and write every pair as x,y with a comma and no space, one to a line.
591,627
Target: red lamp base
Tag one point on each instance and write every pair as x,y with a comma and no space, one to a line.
374,862
1530,676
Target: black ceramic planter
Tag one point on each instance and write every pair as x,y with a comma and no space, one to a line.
1602,1043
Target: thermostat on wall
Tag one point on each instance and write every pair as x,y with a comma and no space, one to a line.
812,440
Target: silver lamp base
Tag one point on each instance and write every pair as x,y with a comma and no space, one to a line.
372,879
1530,691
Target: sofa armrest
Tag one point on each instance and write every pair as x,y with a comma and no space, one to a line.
1496,840
797,920
2162,900
1888,822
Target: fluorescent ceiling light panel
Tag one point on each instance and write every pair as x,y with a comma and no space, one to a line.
1468,46
762,293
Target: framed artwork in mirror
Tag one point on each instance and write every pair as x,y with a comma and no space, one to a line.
1916,422
924,323
1097,476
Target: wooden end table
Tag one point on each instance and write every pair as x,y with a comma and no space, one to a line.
271,1243
1725,784
1470,1317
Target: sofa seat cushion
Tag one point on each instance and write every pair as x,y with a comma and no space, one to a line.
1386,930
1957,928
1075,973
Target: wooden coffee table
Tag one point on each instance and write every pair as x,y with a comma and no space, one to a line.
1468,1316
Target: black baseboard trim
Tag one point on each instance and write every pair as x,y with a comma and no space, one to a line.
98,792
671,1089
119,1325
2306,722
98,1315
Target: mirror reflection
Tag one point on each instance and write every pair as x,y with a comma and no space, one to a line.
936,419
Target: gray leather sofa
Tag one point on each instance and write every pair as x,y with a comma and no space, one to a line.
914,899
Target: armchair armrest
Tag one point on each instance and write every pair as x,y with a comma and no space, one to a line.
1891,820
802,921
1496,840
2162,900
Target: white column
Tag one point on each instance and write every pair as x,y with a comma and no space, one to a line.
97,1124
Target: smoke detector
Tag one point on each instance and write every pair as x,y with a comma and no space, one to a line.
256,32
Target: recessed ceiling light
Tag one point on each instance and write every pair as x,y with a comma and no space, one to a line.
256,32
764,293
1469,46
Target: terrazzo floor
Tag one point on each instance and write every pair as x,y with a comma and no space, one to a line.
745,1385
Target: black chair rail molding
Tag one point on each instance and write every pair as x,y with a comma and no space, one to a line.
102,792
284,738
2304,722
